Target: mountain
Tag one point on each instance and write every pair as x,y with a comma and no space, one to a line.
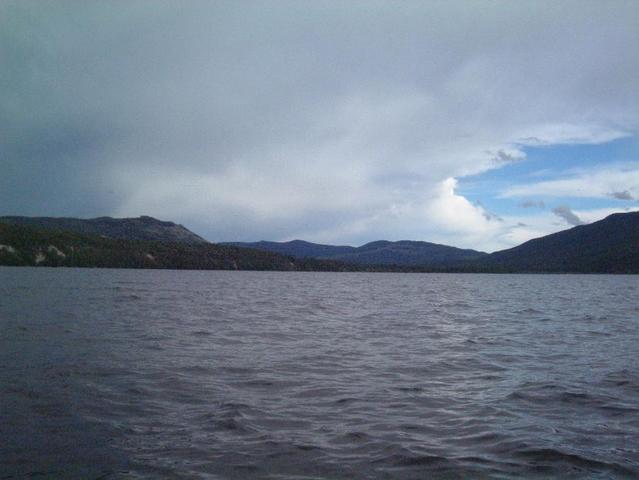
408,253
610,245
142,228
29,246
296,248
402,253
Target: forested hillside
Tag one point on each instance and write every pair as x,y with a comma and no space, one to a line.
27,246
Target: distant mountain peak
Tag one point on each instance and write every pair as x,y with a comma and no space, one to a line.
380,252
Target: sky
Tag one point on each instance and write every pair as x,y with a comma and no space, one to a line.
478,124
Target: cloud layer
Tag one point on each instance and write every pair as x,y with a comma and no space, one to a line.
333,121
619,182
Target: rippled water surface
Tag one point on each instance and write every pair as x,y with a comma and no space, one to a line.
167,374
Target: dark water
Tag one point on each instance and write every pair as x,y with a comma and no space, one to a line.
163,374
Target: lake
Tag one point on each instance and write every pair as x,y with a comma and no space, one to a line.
182,374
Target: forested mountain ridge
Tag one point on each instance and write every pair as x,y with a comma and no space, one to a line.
140,228
28,246
610,245
296,248
404,253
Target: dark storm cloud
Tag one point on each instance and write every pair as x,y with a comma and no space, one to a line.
335,120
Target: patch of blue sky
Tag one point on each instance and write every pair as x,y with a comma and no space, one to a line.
544,163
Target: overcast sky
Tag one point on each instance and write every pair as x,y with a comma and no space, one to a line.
475,124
